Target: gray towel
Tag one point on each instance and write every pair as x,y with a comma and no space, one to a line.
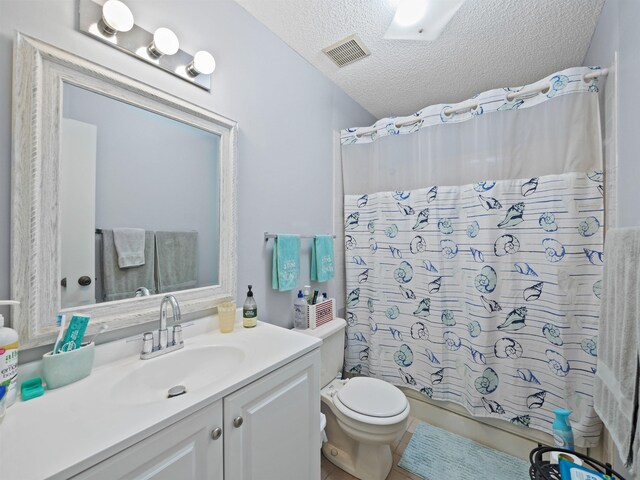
119,283
130,244
615,395
177,261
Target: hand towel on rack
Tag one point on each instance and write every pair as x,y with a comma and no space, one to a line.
286,262
119,283
177,260
322,258
615,394
130,243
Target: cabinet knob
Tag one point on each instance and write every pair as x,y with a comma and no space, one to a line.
84,281
237,422
216,433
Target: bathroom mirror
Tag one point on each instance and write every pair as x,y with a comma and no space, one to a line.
120,193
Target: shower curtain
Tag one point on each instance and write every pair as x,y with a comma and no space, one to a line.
473,252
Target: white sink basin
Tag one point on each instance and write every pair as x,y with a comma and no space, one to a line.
194,368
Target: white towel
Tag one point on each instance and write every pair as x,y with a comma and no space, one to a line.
615,395
130,246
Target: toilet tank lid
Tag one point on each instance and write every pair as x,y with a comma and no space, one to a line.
326,330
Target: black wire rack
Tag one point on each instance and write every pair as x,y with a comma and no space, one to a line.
541,469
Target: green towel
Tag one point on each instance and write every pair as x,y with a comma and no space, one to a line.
286,262
322,258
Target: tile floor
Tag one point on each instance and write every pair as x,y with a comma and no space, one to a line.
330,472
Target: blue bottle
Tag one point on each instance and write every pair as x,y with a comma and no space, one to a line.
562,432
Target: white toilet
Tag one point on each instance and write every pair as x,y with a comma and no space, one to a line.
364,415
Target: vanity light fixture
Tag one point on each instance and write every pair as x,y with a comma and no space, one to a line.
203,64
113,24
116,17
165,42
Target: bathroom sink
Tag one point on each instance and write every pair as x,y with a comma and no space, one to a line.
195,368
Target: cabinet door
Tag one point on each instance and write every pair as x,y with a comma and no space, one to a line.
186,450
272,426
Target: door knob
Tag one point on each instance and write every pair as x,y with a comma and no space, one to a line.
84,281
216,433
237,422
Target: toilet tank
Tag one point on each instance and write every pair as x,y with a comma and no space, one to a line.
332,349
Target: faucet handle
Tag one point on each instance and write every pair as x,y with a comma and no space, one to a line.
177,334
147,342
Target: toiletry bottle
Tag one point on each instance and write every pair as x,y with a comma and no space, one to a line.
562,432
307,294
8,358
300,312
249,311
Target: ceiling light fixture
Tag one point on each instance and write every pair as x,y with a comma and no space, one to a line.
165,42
116,17
421,19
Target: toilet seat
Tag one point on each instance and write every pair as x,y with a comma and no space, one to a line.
372,397
371,401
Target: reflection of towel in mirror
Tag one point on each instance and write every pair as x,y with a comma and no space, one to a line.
119,283
130,246
177,261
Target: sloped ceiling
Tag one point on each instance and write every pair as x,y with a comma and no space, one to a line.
488,44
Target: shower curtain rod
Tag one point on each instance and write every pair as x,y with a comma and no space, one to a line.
471,107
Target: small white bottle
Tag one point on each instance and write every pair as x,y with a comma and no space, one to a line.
307,294
300,312
9,358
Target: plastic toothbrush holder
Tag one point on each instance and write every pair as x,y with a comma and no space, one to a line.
67,367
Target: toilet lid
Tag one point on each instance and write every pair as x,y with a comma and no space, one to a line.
372,397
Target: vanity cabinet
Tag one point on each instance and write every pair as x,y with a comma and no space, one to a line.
185,450
267,430
272,429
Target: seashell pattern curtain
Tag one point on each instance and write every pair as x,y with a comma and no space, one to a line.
485,293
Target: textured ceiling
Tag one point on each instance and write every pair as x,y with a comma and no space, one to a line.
488,44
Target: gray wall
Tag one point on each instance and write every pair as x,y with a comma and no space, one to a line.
286,109
618,31
152,172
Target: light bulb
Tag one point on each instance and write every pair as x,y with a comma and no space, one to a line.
203,63
165,42
116,17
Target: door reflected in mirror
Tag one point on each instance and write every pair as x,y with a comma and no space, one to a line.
139,201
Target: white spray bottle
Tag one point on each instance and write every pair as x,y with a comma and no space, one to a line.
9,357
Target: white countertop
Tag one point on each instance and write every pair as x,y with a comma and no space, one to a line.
72,428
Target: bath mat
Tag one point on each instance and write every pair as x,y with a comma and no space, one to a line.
434,453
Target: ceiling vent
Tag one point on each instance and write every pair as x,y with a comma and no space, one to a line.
347,51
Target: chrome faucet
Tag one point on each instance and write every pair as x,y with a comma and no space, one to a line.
163,345
142,292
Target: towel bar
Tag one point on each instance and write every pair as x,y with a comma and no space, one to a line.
268,235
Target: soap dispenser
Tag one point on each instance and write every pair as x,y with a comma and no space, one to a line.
249,311
9,357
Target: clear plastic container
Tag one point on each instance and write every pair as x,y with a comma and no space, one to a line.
227,316
300,312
